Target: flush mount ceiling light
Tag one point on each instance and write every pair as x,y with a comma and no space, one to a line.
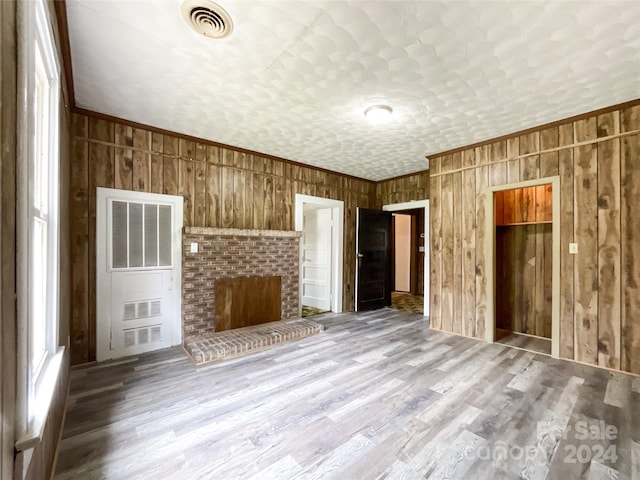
207,18
377,114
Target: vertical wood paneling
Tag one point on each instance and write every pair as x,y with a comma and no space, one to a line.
187,149
630,245
567,302
248,198
513,147
288,206
481,238
548,280
468,251
79,222
141,161
227,195
586,233
435,264
170,175
101,174
549,161
268,221
598,288
540,280
528,279
447,227
530,165
523,278
201,152
258,201
214,187
515,276
200,192
406,189
123,158
186,186
238,196
278,202
457,252
141,172
502,283
157,175
609,273
528,206
508,206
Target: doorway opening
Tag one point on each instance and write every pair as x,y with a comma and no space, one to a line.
524,221
406,276
321,253
410,256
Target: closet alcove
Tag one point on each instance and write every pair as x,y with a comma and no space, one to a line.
524,252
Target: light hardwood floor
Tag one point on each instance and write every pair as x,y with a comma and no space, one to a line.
376,395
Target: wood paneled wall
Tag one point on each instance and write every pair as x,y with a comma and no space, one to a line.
403,189
524,278
597,159
221,188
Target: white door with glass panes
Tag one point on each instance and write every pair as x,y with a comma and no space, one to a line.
138,253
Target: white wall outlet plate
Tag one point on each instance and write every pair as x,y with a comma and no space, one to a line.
194,247
573,248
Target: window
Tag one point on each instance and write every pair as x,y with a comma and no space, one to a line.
38,230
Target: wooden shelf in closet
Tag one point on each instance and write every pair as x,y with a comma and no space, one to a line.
549,222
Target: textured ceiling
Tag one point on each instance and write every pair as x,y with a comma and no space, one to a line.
294,77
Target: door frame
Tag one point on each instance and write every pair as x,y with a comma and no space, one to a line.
103,283
490,254
337,244
397,207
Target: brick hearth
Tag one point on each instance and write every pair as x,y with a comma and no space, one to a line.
214,346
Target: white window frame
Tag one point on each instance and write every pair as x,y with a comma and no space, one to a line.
37,377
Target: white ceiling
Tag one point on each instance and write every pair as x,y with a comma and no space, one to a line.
294,77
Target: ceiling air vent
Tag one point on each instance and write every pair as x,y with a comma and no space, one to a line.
207,18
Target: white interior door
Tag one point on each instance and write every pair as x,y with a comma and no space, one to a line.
138,245
316,258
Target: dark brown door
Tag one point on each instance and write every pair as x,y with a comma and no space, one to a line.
373,252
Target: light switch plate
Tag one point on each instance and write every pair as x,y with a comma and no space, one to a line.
421,248
573,248
194,247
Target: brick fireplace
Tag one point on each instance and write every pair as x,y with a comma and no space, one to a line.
233,253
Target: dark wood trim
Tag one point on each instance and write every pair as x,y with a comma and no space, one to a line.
102,116
581,116
60,7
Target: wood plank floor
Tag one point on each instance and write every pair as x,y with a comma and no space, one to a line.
523,341
376,395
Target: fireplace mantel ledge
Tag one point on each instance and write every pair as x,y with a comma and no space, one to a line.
241,232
